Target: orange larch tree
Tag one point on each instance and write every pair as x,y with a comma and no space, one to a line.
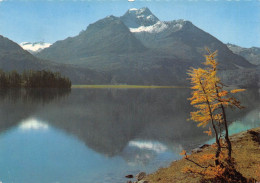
202,99
222,98
210,100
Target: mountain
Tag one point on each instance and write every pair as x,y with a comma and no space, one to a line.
181,39
34,48
13,57
251,54
139,17
108,36
138,48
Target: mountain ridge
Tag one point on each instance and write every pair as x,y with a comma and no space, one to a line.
179,35
251,54
34,47
13,57
138,49
106,36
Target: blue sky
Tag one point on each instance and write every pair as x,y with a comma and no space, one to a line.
234,21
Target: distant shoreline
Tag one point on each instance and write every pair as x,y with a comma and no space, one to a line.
125,86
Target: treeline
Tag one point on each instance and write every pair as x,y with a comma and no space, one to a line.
33,79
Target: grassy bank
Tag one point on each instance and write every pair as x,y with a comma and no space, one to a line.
123,86
246,151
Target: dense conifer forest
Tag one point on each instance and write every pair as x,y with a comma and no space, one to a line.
33,79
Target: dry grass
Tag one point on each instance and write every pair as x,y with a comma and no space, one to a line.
246,152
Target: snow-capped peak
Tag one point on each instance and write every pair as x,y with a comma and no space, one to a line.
34,47
143,20
134,18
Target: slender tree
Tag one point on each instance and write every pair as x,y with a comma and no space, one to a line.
202,99
211,100
222,97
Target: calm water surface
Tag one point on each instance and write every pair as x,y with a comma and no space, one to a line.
100,135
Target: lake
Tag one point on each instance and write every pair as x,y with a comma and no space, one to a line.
100,135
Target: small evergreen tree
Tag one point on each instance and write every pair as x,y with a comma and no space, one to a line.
3,79
14,79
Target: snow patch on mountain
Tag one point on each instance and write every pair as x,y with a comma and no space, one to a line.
133,9
160,27
34,47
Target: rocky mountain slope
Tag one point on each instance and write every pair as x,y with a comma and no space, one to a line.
138,48
13,57
251,54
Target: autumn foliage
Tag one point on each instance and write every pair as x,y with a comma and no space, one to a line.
258,173
210,100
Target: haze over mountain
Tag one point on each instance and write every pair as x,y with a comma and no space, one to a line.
251,54
13,57
138,48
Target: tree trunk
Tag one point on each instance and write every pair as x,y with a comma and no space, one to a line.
218,143
226,127
214,127
227,136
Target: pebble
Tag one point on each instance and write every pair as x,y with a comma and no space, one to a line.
129,176
142,181
196,150
140,176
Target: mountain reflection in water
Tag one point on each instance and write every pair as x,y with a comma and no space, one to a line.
130,130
